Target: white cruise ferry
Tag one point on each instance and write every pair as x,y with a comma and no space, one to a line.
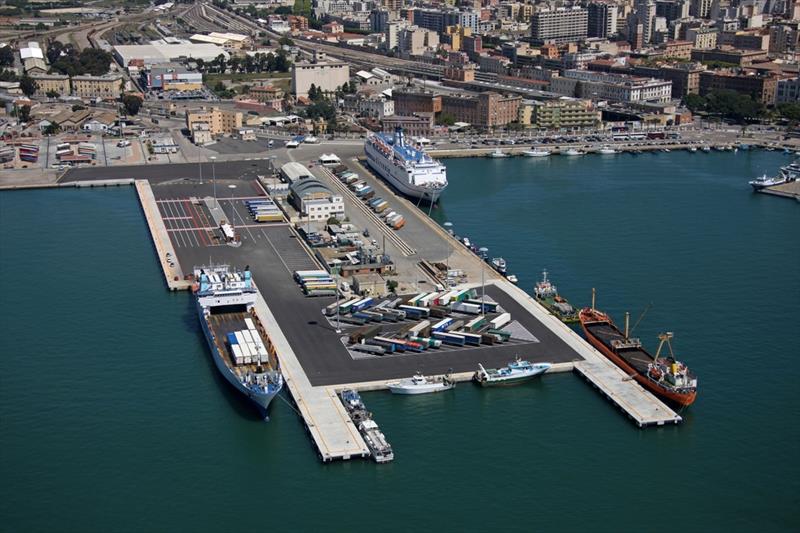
410,170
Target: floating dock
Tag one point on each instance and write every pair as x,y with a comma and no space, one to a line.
327,421
158,231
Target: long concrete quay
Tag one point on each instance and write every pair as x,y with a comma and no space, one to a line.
334,434
173,273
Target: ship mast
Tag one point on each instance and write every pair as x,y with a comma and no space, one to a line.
627,323
593,297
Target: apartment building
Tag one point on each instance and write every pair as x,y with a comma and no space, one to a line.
487,110
602,20
325,75
612,87
48,83
762,87
108,86
219,121
560,25
560,113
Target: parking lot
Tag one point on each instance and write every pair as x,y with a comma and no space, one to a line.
190,223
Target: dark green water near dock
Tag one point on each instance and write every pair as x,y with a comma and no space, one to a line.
113,418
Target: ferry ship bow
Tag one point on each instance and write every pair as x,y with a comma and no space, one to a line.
239,346
409,169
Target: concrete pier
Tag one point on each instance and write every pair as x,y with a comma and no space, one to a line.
640,406
172,274
333,433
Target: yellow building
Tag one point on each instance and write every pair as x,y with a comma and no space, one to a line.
560,113
182,85
220,121
46,83
456,35
108,86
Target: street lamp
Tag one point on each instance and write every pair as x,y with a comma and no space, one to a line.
449,226
483,250
214,179
232,187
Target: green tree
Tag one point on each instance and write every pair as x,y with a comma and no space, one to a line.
132,103
51,129
447,119
78,107
27,85
285,41
391,285
6,56
694,102
790,111
52,94
24,113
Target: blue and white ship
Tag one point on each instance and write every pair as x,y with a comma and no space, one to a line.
516,372
238,342
410,170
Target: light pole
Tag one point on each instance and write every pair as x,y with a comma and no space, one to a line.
232,187
336,280
200,165
449,226
214,179
483,250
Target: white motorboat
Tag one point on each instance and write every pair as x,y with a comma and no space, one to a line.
574,151
606,150
536,152
419,384
497,153
512,278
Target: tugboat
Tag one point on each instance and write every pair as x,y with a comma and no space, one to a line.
419,384
666,377
547,294
513,374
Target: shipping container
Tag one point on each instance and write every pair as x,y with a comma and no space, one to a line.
430,343
389,344
501,320
414,311
442,324
464,307
346,306
502,334
369,348
488,307
455,325
475,324
419,328
449,338
232,339
470,338
363,304
439,312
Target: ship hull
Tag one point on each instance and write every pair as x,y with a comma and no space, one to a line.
261,401
682,399
386,170
510,381
549,304
428,389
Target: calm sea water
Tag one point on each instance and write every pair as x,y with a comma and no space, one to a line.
113,418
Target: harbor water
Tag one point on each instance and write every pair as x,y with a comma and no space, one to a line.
113,417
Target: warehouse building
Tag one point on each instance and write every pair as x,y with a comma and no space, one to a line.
314,200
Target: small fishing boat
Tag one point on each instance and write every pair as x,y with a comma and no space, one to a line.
573,152
498,153
606,150
517,372
419,384
536,152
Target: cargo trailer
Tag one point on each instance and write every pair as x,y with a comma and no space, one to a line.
471,338
369,348
449,338
500,320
